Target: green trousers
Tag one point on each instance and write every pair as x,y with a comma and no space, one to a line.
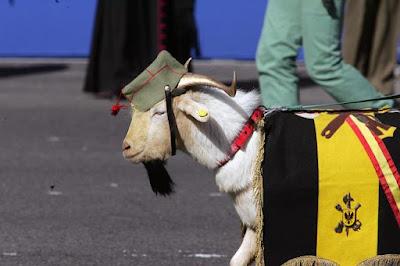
290,24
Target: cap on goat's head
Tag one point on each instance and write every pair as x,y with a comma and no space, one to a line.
147,89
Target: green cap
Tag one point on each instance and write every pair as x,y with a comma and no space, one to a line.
147,89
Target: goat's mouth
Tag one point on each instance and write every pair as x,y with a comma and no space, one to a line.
132,156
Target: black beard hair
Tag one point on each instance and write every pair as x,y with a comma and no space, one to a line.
160,181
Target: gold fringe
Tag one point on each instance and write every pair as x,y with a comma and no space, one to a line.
309,261
382,260
259,195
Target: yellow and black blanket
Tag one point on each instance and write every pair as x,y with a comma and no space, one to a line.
331,186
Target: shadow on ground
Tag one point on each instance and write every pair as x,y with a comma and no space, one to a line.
19,70
250,84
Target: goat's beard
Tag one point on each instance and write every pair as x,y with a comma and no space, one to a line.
160,181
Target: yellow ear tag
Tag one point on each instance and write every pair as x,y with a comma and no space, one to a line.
202,112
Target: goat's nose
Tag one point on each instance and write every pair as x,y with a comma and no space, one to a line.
125,145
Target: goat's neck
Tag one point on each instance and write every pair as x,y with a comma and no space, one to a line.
237,174
210,142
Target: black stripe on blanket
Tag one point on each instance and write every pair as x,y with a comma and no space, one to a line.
295,211
388,229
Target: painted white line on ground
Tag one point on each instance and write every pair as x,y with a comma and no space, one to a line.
9,253
54,193
138,255
114,185
216,194
53,139
205,256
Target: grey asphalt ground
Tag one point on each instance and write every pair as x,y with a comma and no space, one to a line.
69,198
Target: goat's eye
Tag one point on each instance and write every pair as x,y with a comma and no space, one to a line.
159,113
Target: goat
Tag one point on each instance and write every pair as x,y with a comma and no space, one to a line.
208,120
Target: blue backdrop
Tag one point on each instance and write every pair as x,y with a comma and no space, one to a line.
46,27
227,28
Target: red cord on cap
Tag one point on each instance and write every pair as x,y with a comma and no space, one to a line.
117,107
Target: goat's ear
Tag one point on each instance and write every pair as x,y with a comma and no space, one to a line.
194,109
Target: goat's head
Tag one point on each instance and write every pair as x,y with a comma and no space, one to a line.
148,138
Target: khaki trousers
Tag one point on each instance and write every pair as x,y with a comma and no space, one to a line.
371,31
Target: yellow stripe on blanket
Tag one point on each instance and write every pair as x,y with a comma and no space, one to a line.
347,228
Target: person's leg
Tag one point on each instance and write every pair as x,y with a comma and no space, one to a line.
356,43
370,40
321,41
277,51
382,61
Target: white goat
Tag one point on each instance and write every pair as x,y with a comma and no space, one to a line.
208,120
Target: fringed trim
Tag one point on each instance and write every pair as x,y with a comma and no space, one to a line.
309,261
259,196
382,260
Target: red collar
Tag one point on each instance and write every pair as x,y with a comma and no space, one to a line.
244,135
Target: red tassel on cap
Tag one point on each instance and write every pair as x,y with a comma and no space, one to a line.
117,107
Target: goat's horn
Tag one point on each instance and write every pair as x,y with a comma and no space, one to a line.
190,79
187,63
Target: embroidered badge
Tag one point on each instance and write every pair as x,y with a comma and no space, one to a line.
349,216
371,122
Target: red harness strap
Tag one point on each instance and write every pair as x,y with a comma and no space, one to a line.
244,135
